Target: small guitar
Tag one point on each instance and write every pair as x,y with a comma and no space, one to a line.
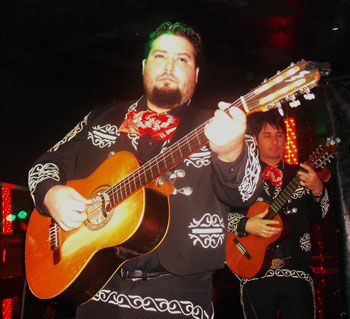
129,214
251,255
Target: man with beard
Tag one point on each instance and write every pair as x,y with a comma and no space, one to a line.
175,278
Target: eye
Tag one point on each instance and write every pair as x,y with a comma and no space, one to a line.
159,56
182,60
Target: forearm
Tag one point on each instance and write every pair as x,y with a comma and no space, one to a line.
238,183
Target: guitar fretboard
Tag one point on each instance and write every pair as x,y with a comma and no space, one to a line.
157,166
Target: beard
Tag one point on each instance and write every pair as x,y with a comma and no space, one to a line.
165,98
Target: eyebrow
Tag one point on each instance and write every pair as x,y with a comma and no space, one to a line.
166,52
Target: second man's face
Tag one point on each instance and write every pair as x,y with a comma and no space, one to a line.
170,73
271,142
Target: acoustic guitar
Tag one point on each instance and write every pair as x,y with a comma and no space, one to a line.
129,214
251,255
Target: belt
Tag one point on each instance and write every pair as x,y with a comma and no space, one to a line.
140,275
278,263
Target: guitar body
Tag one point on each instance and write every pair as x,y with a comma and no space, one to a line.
87,257
251,255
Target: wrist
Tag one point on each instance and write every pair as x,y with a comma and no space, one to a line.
317,195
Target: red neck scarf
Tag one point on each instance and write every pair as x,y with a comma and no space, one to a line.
274,175
161,126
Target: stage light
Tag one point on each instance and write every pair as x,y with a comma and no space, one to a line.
22,214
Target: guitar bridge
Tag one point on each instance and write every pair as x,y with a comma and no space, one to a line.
54,242
241,248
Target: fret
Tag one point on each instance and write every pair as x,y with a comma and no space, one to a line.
179,148
157,163
172,155
111,195
198,137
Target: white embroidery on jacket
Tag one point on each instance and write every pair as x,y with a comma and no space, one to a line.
300,192
305,242
40,172
103,136
324,204
233,221
162,305
252,171
208,231
200,158
134,140
77,129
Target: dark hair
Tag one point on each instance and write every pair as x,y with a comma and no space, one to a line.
179,29
256,121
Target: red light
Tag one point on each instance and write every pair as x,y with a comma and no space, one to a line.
7,308
6,208
290,155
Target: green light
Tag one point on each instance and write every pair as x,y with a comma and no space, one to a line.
10,217
22,214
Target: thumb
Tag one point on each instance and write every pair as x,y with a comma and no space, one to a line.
263,214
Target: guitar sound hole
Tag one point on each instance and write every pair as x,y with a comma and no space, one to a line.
99,212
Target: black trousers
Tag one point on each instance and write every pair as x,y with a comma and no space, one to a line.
291,294
167,296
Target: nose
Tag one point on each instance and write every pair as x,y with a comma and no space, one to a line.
169,65
274,140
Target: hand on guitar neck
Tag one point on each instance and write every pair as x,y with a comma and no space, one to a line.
259,226
225,132
310,179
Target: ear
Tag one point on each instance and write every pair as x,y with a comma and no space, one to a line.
143,66
197,72
255,140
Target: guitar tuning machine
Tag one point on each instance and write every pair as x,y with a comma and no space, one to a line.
294,103
309,96
280,111
170,176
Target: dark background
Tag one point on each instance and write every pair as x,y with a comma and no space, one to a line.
58,59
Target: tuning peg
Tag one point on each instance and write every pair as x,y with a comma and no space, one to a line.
280,110
309,96
295,103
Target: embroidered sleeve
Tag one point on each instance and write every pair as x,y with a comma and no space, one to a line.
52,167
324,203
238,183
236,224
318,210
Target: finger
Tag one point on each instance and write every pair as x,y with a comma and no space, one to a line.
263,214
237,115
78,206
264,233
224,105
79,197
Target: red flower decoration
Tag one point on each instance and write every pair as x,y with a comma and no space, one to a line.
160,126
274,175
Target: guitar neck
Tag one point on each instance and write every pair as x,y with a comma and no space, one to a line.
158,165
283,197
170,157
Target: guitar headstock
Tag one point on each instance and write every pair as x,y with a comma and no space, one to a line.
297,79
323,154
